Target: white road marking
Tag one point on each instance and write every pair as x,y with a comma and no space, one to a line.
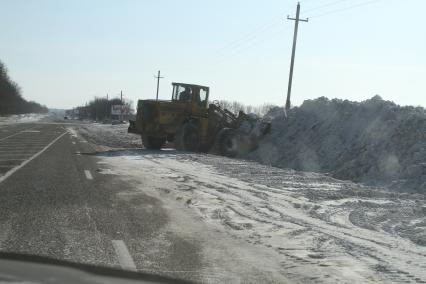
4,232
15,147
73,142
1,139
3,154
88,174
4,138
123,255
13,144
12,171
30,131
13,151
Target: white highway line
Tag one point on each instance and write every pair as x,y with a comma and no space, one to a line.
7,146
4,232
6,154
1,139
8,159
15,151
13,144
123,255
73,142
88,174
12,171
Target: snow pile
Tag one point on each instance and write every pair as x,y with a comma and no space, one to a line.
374,141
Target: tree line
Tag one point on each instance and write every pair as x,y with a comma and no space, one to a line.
235,107
99,108
11,100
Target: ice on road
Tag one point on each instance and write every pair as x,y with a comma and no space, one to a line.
315,228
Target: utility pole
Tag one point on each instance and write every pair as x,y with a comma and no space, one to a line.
158,77
121,109
106,108
296,27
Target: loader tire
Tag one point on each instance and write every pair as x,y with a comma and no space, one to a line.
188,138
227,140
152,142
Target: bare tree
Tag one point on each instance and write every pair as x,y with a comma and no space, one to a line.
235,107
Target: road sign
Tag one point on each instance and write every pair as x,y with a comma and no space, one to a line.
116,109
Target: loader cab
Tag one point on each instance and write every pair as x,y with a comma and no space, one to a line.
196,94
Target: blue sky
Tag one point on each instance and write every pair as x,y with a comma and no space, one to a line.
63,53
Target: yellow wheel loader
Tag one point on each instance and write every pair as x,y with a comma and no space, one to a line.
192,124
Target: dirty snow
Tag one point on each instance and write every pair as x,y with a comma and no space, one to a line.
316,228
375,142
305,226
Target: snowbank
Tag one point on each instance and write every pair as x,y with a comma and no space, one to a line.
374,141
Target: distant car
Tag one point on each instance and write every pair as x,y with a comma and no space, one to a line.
65,117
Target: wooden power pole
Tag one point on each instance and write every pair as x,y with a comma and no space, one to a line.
293,53
121,110
158,77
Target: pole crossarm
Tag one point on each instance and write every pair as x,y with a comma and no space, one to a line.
300,20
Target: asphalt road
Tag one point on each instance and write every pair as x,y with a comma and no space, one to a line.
54,202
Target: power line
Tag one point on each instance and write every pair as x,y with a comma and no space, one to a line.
255,32
252,41
236,45
244,49
325,5
244,45
345,9
253,35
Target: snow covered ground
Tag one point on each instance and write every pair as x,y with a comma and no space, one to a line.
22,118
313,228
114,136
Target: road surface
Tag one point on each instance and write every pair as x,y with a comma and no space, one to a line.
83,192
54,202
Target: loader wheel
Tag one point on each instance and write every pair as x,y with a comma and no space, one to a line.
188,138
228,142
152,142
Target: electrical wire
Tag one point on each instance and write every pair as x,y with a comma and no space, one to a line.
324,6
281,31
244,42
255,32
344,9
